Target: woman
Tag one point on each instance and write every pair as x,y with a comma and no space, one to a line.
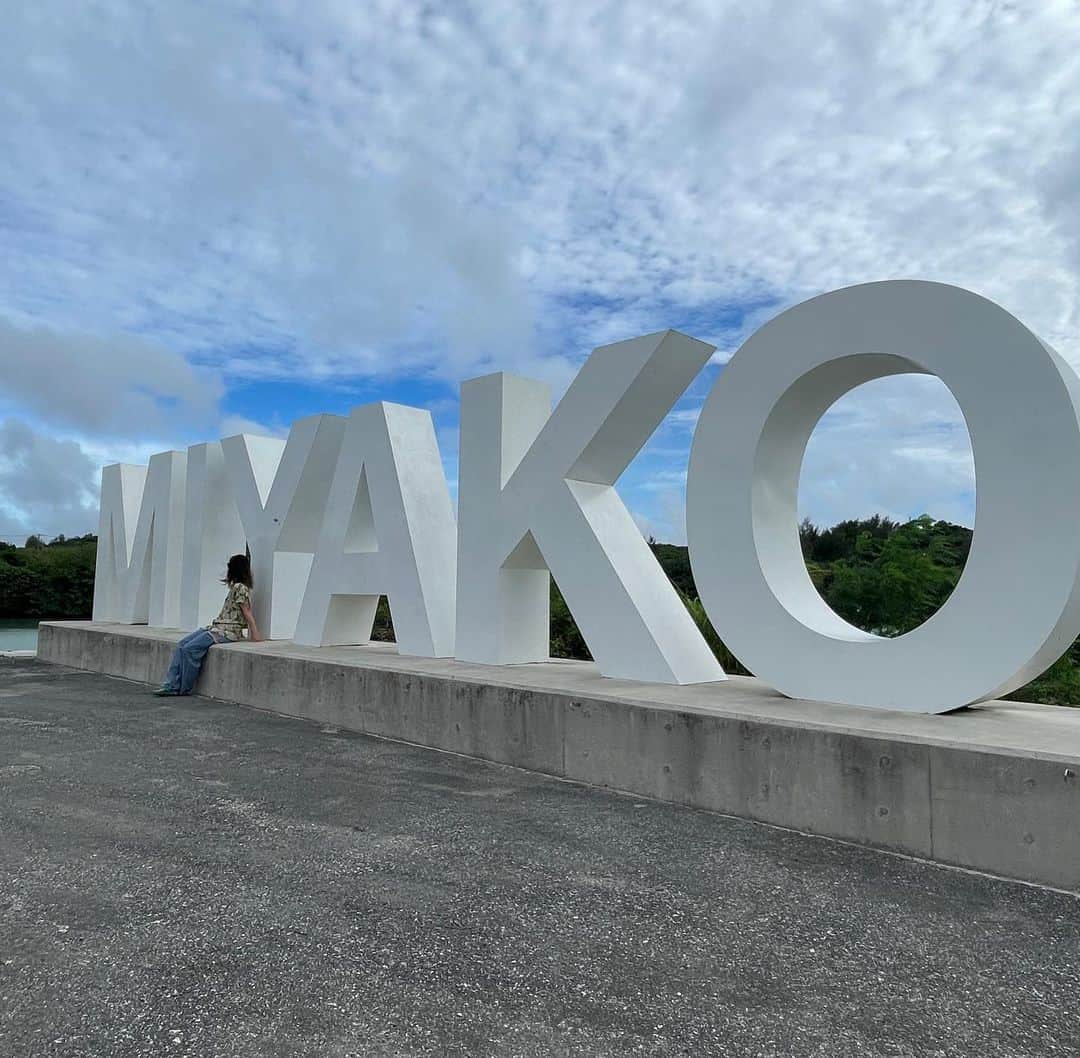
227,627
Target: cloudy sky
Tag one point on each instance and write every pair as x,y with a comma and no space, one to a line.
221,217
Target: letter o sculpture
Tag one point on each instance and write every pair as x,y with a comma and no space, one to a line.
1016,608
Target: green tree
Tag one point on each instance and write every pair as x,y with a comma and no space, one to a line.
730,664
566,638
55,580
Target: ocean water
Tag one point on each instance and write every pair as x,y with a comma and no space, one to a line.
18,633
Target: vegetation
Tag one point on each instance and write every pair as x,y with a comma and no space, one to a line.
54,579
731,664
566,638
382,631
883,576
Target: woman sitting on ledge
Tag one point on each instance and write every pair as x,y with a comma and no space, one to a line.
227,627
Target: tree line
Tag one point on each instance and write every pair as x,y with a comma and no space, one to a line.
886,577
883,576
48,580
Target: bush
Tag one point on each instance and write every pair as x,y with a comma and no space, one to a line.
48,581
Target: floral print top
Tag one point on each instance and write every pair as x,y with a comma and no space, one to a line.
230,622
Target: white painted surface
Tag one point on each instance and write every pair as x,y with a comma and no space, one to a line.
140,542
388,530
1017,606
212,533
122,486
280,488
536,493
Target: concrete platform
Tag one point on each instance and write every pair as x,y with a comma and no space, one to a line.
995,788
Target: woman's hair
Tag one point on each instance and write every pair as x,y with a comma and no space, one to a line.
239,571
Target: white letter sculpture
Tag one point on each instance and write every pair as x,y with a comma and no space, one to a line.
388,530
346,511
140,539
536,493
212,532
281,489
1015,609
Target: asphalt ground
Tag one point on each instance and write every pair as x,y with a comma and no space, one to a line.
185,877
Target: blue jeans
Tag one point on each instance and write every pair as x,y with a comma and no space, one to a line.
187,661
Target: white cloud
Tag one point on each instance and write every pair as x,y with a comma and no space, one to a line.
47,486
332,192
235,424
359,192
121,386
897,447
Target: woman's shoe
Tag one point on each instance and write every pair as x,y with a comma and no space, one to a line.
165,692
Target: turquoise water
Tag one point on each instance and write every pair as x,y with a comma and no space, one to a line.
18,633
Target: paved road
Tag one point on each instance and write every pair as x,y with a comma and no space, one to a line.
191,878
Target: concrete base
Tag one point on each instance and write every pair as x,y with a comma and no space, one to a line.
995,788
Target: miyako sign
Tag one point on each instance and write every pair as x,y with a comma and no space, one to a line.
348,509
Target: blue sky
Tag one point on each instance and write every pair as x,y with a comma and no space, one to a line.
222,217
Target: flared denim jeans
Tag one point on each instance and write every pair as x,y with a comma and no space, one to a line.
187,660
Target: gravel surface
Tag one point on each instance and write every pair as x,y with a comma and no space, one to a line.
183,877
